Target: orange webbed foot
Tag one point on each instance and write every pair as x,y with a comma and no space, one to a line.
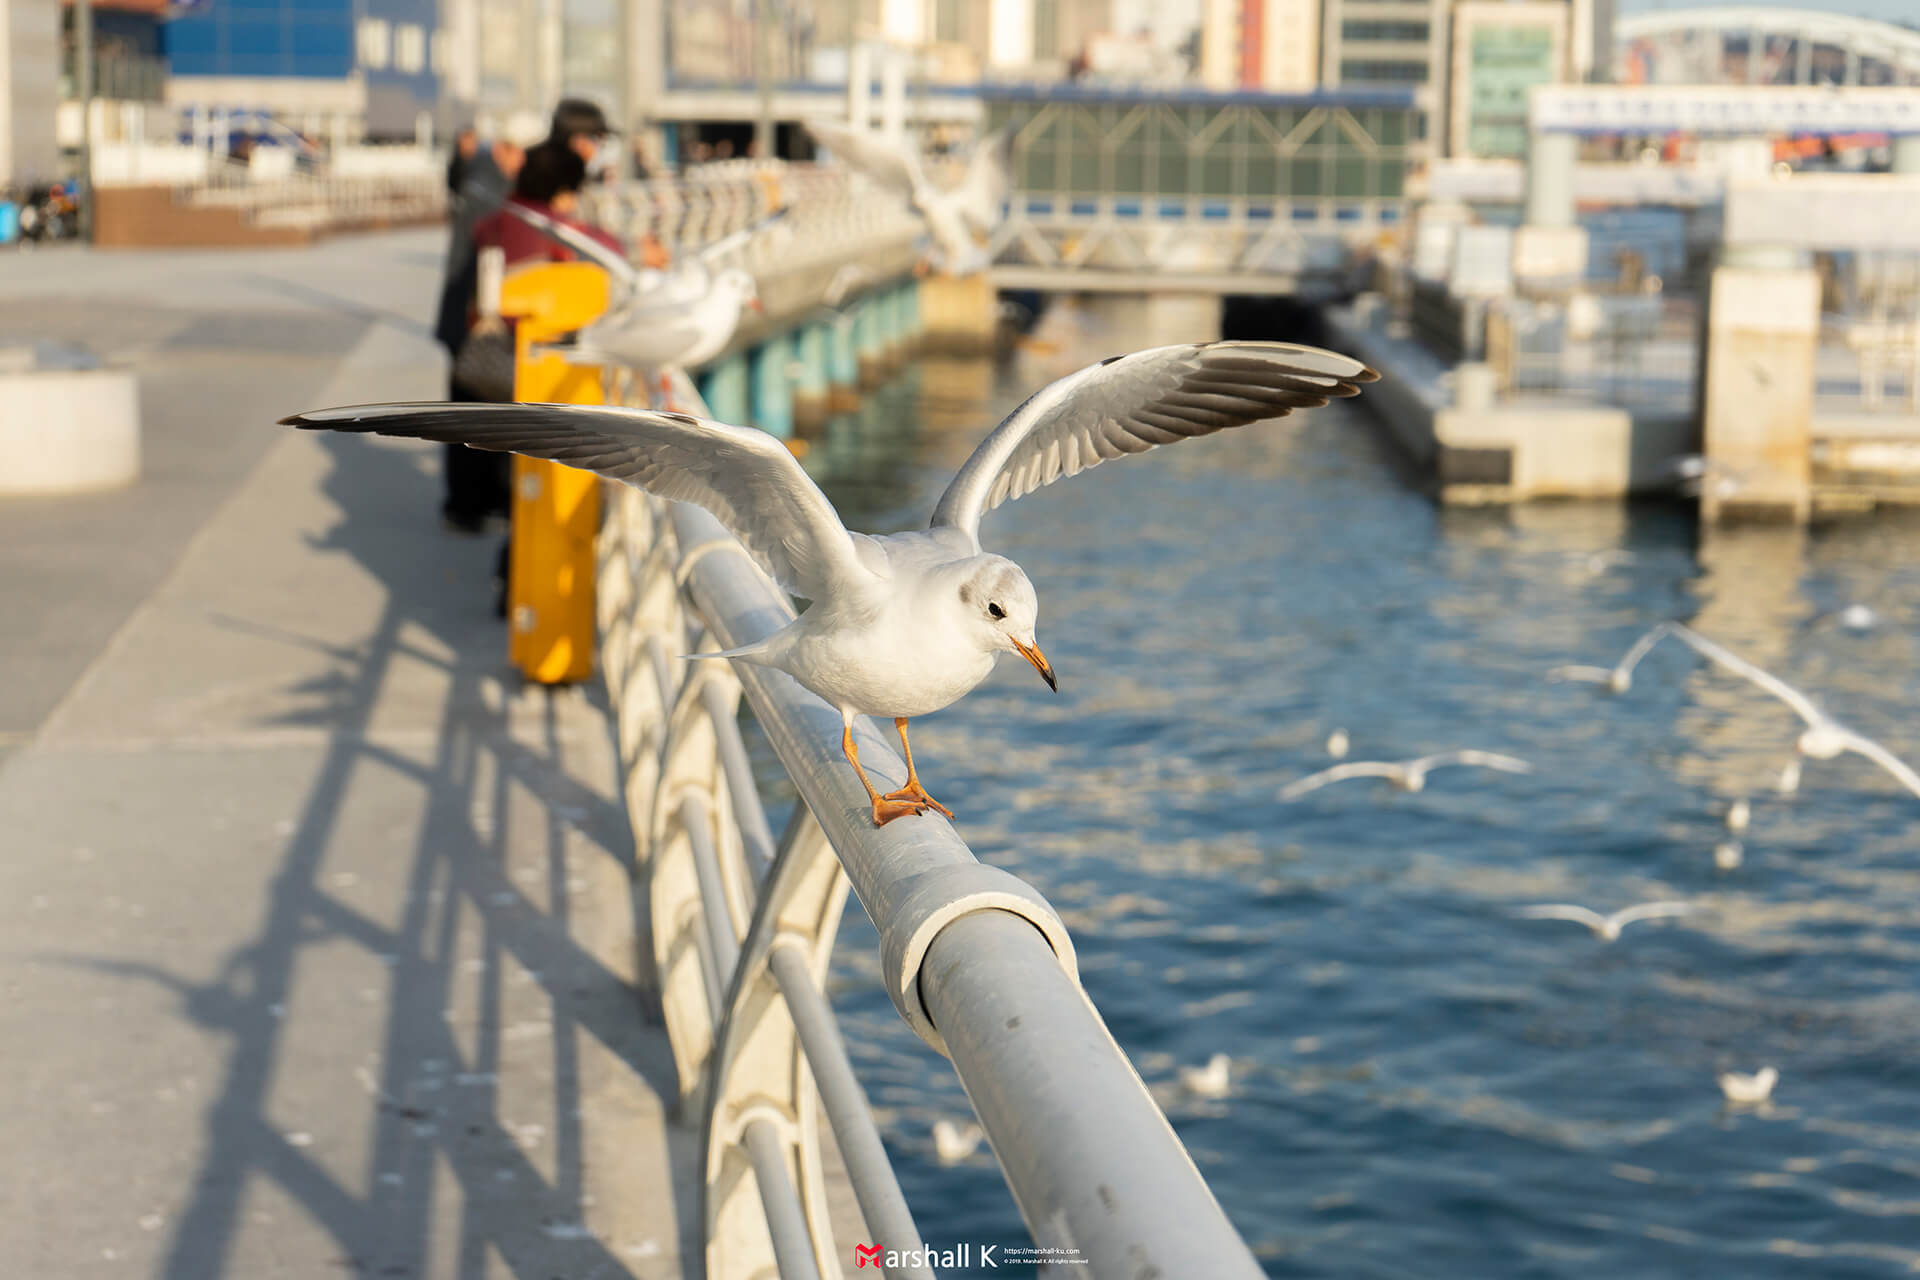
918,794
886,809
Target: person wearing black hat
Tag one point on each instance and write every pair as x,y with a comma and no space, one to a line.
582,126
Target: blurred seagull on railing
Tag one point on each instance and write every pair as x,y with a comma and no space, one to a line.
1606,928
901,624
956,219
1408,775
1618,678
1824,737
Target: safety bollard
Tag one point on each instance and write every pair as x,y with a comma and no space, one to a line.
556,509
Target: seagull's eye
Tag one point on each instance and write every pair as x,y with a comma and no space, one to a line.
995,612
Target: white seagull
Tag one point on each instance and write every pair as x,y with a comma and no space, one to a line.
1338,743
1211,1081
1606,928
1728,855
1748,1090
900,624
1824,737
1619,677
953,1143
958,219
1739,814
1408,775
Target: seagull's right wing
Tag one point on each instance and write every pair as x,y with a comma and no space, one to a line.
1339,773
1564,911
746,478
709,254
1730,661
1129,404
896,166
1583,674
626,276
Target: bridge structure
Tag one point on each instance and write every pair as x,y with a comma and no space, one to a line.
1761,45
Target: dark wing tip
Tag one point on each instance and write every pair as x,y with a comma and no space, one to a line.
1367,375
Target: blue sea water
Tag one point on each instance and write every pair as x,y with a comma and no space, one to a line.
1424,1085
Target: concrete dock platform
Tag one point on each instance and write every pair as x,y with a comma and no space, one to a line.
319,955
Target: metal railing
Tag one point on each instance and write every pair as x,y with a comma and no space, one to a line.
975,960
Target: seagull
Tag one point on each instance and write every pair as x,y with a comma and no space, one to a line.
1618,678
1728,855
901,624
1858,617
1337,744
688,279
956,219
1824,737
1789,777
953,1143
1748,1091
1606,928
674,330
1210,1081
1409,775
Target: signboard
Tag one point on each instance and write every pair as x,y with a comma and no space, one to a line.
1504,63
1828,211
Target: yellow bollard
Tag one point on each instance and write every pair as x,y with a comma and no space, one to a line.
556,509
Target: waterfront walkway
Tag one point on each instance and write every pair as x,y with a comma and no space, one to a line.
317,936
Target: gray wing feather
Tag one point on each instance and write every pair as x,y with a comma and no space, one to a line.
746,478
1130,404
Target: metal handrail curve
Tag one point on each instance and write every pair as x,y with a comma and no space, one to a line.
975,960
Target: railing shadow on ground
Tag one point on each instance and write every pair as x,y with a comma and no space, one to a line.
486,918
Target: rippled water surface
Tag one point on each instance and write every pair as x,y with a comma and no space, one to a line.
1422,1084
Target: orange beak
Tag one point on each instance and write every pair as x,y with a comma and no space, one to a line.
1039,660
757,305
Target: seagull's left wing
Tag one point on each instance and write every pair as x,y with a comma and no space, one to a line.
1654,911
890,163
1129,404
710,254
1893,764
1485,759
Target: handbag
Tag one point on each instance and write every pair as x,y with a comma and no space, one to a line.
484,367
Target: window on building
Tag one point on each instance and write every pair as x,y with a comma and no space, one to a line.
949,20
409,48
1414,32
1381,71
374,36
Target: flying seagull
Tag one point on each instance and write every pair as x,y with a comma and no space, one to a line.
900,624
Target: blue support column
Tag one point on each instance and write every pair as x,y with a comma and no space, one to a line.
810,376
843,366
724,386
870,340
910,304
772,391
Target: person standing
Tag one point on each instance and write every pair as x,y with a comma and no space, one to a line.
476,482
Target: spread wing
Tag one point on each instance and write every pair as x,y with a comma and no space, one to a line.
1339,773
626,276
1129,404
892,165
746,478
1654,911
1485,759
1727,660
1564,911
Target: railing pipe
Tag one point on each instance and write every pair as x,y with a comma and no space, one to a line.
754,831
1093,1164
721,939
912,877
786,1221
882,1204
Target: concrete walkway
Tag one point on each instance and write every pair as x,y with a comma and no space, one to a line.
317,952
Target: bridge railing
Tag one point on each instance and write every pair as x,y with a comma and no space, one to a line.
742,928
